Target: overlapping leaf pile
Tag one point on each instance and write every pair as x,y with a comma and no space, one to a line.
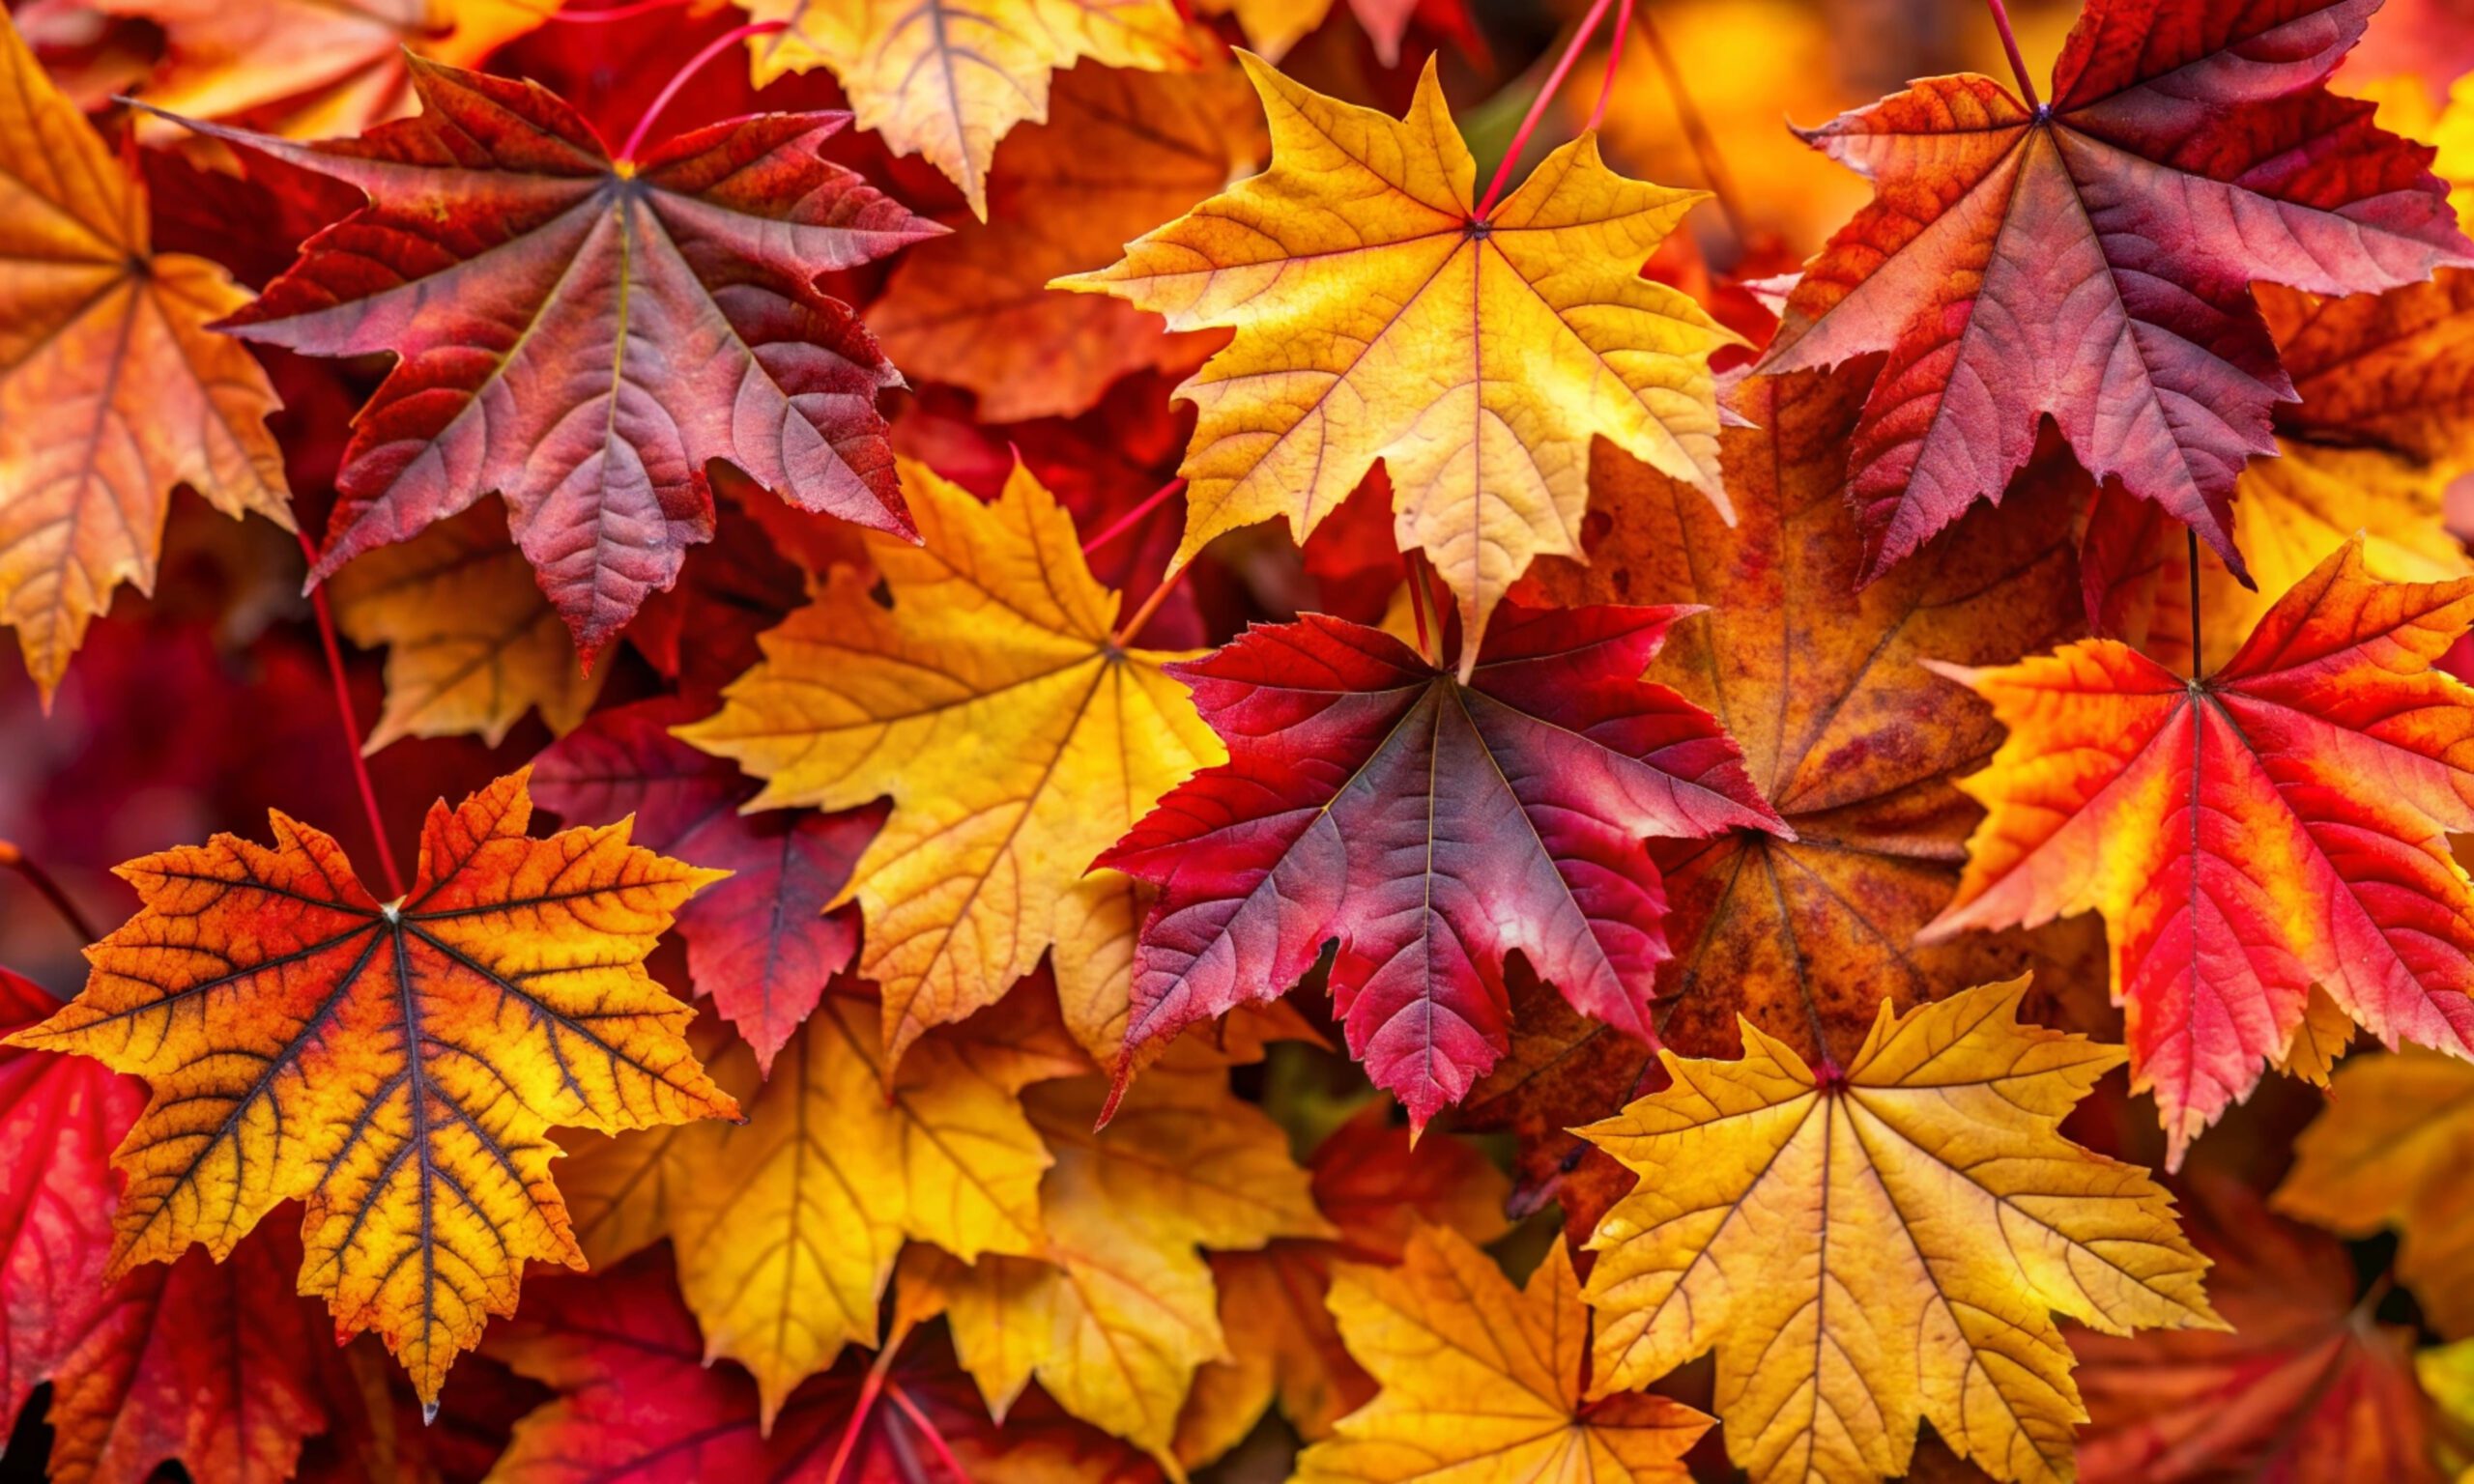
1323,818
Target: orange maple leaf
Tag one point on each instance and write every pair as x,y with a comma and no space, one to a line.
2279,824
111,390
394,1066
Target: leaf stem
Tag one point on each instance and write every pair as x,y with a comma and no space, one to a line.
1614,60
352,727
1438,603
1127,630
927,1430
1418,609
2192,538
2011,45
864,1404
1696,129
694,65
1127,521
1538,106
16,859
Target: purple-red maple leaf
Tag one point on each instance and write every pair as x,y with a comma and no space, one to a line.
583,334
1432,828
2091,258
761,943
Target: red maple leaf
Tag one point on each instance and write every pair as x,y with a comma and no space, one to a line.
59,1118
2092,259
1432,828
583,334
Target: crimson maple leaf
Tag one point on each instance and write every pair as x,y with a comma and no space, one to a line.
2092,259
59,1118
1431,827
584,334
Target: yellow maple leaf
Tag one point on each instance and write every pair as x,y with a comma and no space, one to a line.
1379,317
786,1228
112,391
1481,1382
395,1067
471,644
1016,736
946,81
2390,1151
1117,1309
1870,1248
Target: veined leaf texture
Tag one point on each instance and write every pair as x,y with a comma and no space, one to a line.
1106,741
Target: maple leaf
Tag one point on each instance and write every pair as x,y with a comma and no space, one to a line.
786,1228
471,645
2223,830
583,335
1378,1189
393,1065
1379,317
1117,1309
1432,828
2090,260
309,70
111,390
637,1400
1846,735
1885,1244
1016,736
204,1364
2389,1152
764,943
59,1118
945,80
1484,1383
1122,150
2305,1384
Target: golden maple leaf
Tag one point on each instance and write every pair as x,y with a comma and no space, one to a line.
1379,317
393,1065
111,388
1873,1247
1122,151
945,80
1482,1382
785,1228
471,644
1117,1309
1016,736
2391,1151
